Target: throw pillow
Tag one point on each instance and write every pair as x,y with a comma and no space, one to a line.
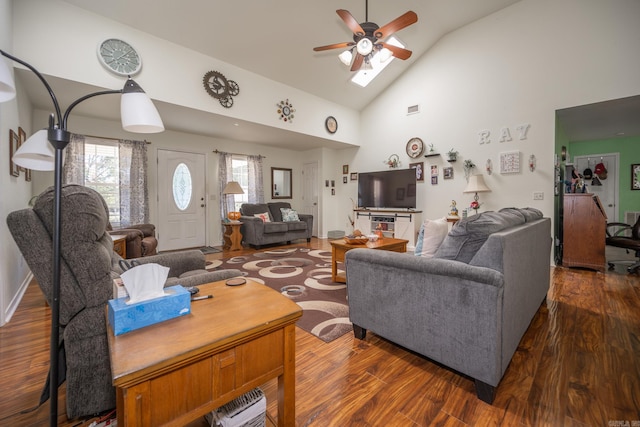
289,215
432,233
263,216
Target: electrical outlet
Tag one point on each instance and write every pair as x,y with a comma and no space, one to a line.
538,195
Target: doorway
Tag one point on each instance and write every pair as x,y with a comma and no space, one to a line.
181,200
310,193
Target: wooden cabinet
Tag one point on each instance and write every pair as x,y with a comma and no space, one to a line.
120,244
583,238
396,224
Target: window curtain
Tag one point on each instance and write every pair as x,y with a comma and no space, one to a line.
132,179
255,193
134,194
225,174
256,184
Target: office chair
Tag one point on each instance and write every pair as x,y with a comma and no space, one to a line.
617,235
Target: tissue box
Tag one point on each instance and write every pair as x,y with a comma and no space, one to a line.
125,318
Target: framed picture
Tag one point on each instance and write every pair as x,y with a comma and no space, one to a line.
27,175
354,176
344,179
434,170
434,180
635,176
345,169
510,162
14,143
419,167
333,183
447,173
22,136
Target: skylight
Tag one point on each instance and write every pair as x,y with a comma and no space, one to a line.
367,73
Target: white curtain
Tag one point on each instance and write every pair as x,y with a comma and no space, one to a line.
132,175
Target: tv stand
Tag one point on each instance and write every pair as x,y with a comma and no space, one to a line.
395,223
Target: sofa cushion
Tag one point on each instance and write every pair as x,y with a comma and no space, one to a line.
529,214
289,215
432,233
296,225
469,234
250,209
274,209
275,227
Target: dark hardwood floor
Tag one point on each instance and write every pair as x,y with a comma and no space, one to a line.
577,365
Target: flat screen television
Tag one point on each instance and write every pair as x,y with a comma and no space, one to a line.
390,189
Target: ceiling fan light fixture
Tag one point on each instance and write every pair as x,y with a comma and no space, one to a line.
364,46
384,54
346,57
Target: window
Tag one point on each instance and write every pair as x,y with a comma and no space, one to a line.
102,173
240,171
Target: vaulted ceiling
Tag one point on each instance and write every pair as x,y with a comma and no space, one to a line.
275,39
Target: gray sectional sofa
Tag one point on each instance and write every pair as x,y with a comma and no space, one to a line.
256,232
468,306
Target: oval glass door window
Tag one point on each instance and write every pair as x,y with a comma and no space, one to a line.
182,188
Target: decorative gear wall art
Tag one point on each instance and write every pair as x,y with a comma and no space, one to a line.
217,85
286,110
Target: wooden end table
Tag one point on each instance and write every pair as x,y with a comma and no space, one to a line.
339,248
120,244
232,236
173,372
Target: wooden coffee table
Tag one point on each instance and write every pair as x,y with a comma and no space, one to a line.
173,372
339,248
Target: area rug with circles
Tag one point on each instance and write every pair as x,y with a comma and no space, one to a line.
304,276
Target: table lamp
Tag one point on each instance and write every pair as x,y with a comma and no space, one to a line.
476,185
233,187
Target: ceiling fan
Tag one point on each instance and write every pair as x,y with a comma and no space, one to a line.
368,36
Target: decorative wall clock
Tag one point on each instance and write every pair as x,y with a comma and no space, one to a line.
415,148
217,85
331,124
286,110
119,57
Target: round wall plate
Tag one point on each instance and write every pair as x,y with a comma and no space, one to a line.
415,148
331,124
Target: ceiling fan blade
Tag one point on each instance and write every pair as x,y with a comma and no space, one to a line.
398,52
333,46
396,25
350,21
357,62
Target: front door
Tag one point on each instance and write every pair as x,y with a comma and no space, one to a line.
181,200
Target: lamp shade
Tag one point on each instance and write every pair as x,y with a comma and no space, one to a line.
346,57
36,153
476,184
7,85
232,187
137,112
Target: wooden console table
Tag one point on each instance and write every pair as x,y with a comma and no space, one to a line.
339,248
173,372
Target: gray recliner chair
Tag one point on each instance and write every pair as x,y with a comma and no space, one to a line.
88,267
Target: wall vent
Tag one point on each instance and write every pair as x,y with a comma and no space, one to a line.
413,109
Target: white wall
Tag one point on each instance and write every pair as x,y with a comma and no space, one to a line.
516,66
